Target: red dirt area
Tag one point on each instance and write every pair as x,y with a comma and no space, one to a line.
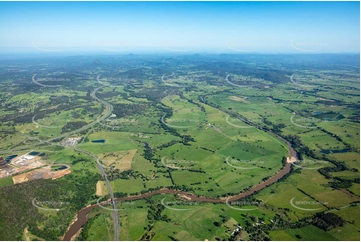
41,173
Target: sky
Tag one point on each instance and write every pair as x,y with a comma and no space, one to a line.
180,27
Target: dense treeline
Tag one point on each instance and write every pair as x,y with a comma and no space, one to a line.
70,126
71,193
152,94
327,221
123,110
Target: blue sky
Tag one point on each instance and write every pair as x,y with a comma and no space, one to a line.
232,27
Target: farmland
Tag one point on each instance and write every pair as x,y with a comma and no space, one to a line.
214,127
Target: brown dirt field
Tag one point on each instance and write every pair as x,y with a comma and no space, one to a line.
58,174
99,190
26,234
41,173
121,160
185,197
293,159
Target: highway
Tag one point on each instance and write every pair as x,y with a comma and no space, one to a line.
115,211
106,113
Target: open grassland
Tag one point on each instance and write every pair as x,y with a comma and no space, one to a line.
99,227
200,221
121,160
352,159
6,181
311,183
352,227
133,220
355,189
308,233
346,233
114,141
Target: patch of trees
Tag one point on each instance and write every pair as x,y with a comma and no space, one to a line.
170,176
169,144
222,67
58,100
103,95
152,94
139,73
203,148
86,228
40,112
340,183
338,167
126,109
70,126
115,173
155,212
148,154
75,191
327,221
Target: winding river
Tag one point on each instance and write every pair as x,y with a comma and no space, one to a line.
82,214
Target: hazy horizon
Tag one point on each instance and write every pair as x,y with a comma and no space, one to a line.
180,27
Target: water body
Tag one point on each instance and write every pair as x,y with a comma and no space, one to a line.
33,153
317,112
335,151
9,158
81,220
60,168
98,141
146,145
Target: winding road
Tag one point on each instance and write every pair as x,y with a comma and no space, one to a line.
106,113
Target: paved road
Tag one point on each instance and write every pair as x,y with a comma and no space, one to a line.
106,113
112,199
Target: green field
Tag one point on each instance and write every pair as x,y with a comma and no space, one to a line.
308,233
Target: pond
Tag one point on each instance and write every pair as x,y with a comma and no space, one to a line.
98,141
334,151
9,158
58,168
33,153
